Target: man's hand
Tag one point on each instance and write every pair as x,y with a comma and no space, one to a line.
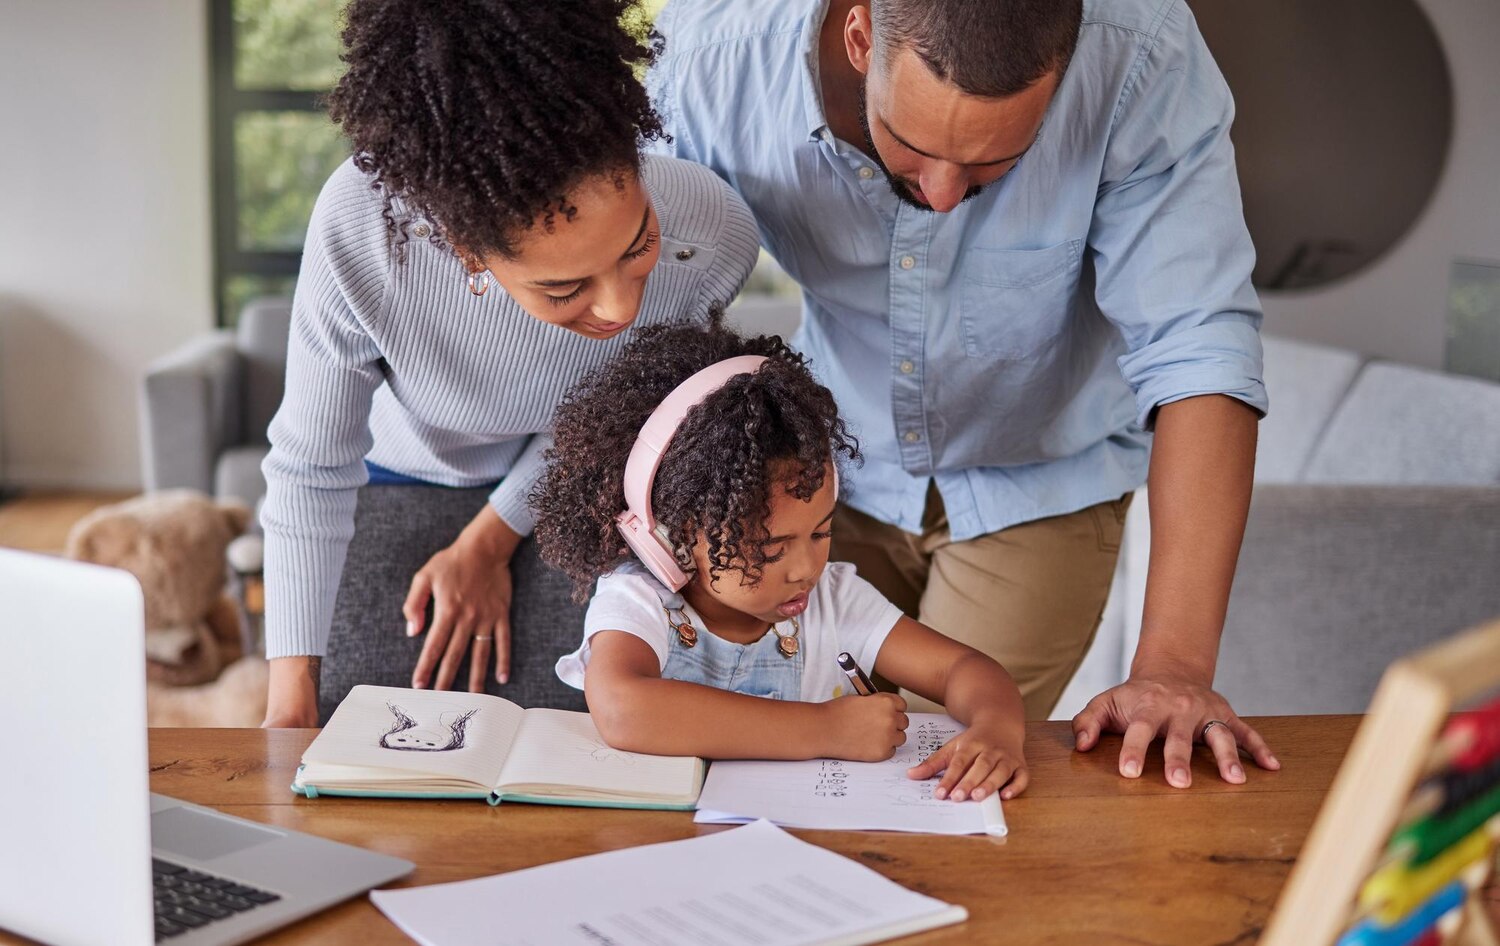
1145,707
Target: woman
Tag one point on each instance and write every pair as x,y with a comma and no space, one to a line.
493,239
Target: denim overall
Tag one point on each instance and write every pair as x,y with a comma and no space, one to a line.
758,669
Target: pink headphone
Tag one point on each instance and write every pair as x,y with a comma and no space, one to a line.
636,523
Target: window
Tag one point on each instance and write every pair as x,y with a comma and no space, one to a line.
273,144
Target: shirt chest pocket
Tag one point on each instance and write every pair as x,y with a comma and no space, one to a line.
1015,303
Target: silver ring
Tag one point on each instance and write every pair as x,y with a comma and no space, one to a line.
1203,733
482,637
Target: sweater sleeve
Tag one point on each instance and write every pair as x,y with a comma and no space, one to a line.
321,433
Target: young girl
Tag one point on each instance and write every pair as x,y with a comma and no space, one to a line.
728,497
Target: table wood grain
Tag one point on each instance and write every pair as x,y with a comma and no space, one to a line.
1091,859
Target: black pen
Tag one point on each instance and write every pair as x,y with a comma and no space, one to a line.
862,684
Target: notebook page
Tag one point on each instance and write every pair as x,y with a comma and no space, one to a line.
450,733
563,748
641,897
851,796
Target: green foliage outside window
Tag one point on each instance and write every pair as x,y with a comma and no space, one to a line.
287,44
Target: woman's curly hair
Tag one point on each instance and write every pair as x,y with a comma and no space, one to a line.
775,429
482,114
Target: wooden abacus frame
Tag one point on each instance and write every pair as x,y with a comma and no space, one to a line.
1385,762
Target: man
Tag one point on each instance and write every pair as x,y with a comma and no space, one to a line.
1018,231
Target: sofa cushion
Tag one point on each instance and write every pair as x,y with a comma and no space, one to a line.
1404,425
1305,383
237,474
261,339
1335,582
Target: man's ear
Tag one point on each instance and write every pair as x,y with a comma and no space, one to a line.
859,38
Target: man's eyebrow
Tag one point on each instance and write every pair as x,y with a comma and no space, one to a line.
786,538
971,164
556,283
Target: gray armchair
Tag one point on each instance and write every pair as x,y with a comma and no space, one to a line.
205,407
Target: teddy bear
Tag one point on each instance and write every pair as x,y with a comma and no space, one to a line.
174,542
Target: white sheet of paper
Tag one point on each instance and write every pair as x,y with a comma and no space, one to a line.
753,886
849,796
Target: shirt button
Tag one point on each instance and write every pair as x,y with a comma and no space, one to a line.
907,262
684,255
912,436
907,367
422,231
866,172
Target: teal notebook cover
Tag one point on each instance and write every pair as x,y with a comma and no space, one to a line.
311,791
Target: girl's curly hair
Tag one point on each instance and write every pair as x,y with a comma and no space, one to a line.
482,114
775,429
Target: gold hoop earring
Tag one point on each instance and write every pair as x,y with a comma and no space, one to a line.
479,283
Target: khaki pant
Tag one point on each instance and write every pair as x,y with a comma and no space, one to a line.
1030,596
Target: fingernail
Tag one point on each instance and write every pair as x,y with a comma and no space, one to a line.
1179,778
939,793
1274,761
418,684
978,794
1236,773
1132,769
504,678
959,795
411,628
1080,740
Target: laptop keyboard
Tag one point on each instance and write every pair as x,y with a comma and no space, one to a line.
187,899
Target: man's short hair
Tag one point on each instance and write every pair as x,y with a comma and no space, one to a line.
990,48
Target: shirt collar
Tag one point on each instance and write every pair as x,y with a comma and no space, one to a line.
812,94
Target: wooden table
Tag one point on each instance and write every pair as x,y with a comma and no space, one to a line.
1092,858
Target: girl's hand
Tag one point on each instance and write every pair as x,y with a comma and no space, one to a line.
977,762
469,585
292,693
866,728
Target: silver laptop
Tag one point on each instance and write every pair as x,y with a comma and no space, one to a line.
87,854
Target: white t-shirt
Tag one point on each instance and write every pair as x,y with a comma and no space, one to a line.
844,613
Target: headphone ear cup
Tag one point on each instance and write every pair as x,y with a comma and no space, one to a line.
657,558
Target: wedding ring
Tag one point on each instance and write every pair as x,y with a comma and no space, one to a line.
1203,734
483,637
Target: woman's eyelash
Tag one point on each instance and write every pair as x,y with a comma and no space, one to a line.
820,536
645,247
564,300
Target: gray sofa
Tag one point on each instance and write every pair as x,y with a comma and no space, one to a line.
205,407
1374,529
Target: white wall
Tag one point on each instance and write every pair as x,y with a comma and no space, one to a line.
1397,307
105,241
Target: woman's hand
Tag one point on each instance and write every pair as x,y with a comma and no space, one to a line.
978,761
469,585
865,728
292,694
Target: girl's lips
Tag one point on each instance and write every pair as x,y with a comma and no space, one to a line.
794,607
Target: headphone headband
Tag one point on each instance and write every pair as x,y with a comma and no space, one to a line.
636,523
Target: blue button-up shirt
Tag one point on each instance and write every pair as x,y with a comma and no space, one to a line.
1014,349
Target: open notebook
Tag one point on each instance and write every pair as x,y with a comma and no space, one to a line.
399,743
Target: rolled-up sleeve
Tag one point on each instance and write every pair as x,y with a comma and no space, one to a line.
1171,252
